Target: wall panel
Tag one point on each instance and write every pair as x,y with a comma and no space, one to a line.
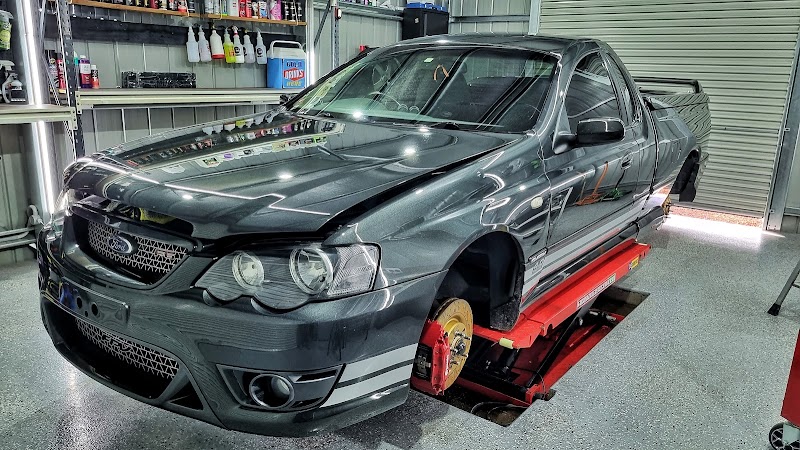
14,193
741,52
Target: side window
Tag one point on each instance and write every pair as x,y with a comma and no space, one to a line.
590,94
624,90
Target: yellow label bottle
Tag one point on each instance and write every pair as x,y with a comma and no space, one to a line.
227,47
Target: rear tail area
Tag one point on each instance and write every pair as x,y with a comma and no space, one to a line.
666,97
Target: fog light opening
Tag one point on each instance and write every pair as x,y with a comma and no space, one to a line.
271,391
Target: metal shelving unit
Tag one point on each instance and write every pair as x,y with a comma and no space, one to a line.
97,4
21,114
167,98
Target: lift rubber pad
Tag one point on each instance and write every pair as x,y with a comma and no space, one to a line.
570,296
791,404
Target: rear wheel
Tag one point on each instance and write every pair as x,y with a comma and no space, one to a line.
777,442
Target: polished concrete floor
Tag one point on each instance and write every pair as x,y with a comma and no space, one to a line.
699,365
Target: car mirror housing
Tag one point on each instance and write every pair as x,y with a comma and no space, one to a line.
599,131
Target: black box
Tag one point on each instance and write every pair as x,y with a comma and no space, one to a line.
418,22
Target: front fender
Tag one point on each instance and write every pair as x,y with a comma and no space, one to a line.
423,231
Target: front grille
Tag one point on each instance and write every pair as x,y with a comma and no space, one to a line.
132,353
146,258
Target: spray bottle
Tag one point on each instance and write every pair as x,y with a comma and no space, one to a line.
192,48
230,57
249,51
238,51
261,50
205,48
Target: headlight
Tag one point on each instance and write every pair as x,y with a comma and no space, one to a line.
288,278
311,270
62,209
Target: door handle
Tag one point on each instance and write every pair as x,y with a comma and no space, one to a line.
626,164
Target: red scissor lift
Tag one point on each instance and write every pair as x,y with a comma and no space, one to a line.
786,436
517,366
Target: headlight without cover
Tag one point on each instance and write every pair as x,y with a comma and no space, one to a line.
288,278
63,204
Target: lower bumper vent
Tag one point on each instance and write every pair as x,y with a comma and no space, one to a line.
130,352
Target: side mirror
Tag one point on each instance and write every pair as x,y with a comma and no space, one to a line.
600,131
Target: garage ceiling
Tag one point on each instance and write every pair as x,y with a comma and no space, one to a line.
742,53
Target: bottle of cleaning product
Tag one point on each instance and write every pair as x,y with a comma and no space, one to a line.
238,50
62,73
230,57
217,49
205,48
249,50
261,50
192,48
233,7
208,7
85,70
95,77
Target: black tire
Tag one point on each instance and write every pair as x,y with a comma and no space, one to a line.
776,439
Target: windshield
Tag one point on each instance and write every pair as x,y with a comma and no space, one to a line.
491,89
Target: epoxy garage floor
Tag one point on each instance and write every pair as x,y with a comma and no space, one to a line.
699,365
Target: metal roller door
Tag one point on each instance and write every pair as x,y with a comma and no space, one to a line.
742,53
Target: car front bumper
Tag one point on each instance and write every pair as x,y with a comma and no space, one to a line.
180,354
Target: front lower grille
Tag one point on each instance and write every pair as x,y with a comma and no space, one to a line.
137,355
148,258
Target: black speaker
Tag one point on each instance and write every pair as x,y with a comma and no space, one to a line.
418,22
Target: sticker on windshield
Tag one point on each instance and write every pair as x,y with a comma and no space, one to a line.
427,60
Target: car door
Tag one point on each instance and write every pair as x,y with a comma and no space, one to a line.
593,186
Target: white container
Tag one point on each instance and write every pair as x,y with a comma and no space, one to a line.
192,48
261,50
205,47
217,51
238,50
286,65
249,50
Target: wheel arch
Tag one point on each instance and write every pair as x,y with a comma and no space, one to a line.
488,273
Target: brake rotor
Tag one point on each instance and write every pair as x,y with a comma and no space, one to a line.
455,317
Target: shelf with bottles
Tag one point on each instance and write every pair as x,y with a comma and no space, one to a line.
210,10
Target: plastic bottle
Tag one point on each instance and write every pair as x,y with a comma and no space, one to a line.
261,50
95,77
85,70
238,50
208,7
217,49
230,57
233,8
249,50
192,48
205,48
62,74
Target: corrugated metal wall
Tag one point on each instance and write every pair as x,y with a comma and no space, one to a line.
14,192
793,194
742,53
104,128
354,30
487,8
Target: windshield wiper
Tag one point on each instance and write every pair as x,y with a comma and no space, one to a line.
446,125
